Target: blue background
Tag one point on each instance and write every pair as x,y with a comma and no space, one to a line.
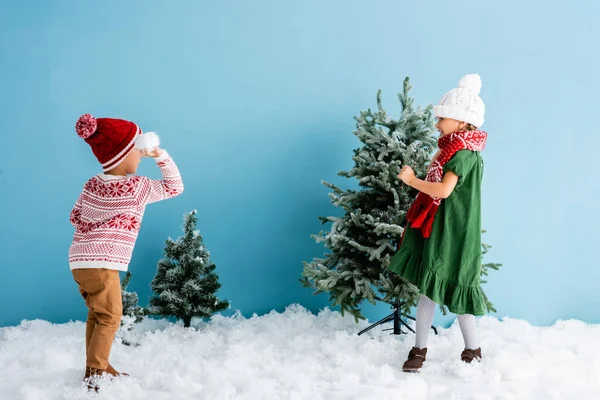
255,101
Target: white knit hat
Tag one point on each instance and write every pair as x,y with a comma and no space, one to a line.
463,103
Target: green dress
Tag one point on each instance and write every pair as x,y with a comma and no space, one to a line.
446,267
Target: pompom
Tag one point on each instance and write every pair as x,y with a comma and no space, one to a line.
86,126
471,81
147,141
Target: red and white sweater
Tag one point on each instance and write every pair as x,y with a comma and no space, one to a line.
109,211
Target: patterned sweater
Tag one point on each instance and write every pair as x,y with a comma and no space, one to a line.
109,211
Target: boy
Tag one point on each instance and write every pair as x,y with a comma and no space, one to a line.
107,218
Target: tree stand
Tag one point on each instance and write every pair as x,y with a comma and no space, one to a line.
396,317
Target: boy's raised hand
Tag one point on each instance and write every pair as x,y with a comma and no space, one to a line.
156,152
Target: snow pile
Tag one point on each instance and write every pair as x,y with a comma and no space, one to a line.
297,355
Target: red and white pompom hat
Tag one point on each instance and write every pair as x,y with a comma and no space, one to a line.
111,139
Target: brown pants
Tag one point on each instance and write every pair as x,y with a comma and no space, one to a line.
101,290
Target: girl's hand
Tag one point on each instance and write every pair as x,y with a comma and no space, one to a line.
156,152
406,175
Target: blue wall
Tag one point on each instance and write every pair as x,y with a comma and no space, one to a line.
255,99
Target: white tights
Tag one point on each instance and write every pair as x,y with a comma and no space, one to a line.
425,311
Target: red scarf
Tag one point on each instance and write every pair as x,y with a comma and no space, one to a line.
422,212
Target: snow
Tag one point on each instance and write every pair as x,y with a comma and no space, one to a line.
299,355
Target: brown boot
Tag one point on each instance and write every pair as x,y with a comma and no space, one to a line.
91,377
113,372
416,358
110,370
469,355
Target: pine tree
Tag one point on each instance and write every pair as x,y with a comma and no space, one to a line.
484,272
185,284
363,240
130,302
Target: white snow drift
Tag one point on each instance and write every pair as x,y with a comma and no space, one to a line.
298,355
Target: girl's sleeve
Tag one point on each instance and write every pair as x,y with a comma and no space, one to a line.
461,163
170,185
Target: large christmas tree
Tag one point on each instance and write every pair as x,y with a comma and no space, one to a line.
185,284
364,239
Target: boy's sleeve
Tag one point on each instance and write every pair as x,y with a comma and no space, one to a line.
170,185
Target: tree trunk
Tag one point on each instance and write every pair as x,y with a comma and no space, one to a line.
187,321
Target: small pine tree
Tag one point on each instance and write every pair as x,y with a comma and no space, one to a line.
185,284
130,302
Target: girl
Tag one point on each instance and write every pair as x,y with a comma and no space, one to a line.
441,246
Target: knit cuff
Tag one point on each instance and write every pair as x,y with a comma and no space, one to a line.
162,157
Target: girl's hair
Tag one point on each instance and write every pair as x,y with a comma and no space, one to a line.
470,127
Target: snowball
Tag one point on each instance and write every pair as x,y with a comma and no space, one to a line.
147,141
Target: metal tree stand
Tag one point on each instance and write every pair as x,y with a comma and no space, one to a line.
396,317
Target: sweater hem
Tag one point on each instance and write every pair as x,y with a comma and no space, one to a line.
98,264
